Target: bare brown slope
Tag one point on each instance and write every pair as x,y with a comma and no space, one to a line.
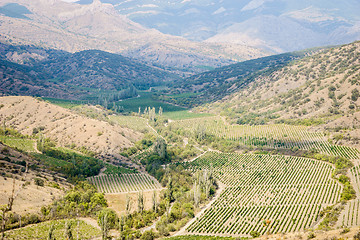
29,196
64,126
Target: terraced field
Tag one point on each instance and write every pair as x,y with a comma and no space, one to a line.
265,193
118,183
273,136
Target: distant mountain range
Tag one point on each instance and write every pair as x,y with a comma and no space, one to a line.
272,25
74,27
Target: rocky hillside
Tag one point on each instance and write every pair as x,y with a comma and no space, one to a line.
73,27
65,127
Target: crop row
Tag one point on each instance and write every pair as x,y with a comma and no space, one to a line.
233,169
265,193
351,214
274,136
355,178
124,183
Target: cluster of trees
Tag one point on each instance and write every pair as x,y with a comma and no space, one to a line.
109,100
183,197
74,166
82,200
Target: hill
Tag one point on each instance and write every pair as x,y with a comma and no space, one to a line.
73,27
213,85
66,128
29,70
322,89
21,171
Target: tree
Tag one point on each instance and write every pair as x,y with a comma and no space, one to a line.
200,132
154,201
107,220
170,190
152,114
5,209
355,95
160,111
127,205
141,202
197,193
148,235
68,232
103,222
160,148
51,232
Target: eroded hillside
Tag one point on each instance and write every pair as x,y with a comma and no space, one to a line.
65,127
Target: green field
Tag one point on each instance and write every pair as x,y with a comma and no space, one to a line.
171,111
145,100
65,103
180,115
22,144
111,169
41,230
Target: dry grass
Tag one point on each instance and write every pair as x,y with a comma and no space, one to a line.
117,201
64,126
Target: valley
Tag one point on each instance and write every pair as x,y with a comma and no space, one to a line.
124,120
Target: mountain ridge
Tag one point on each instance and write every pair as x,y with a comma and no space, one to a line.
73,27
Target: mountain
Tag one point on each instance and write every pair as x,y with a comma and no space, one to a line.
274,25
29,70
219,83
73,27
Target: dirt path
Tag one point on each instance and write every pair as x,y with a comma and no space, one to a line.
36,148
183,231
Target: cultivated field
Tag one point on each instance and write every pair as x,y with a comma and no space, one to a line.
265,193
120,183
273,136
41,230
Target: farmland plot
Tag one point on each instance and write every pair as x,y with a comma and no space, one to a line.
274,136
118,183
265,193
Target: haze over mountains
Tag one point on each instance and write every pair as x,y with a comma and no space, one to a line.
73,27
273,25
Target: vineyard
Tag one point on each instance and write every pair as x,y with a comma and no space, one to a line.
265,193
118,183
355,178
351,214
80,229
273,136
